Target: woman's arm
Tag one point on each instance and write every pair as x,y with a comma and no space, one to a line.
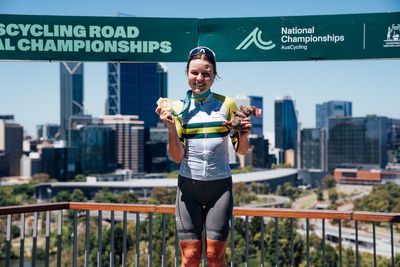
243,143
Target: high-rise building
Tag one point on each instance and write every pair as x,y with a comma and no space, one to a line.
59,162
133,89
286,123
47,131
156,154
261,158
11,139
257,101
359,141
71,85
96,148
312,148
129,132
394,144
331,109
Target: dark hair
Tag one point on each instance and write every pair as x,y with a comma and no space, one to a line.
202,52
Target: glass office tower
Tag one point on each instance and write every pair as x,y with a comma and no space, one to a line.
11,138
285,123
358,142
133,89
312,147
71,85
97,146
330,109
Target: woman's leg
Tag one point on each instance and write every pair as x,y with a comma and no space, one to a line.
191,252
216,253
189,223
219,214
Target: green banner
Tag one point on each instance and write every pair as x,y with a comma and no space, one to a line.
327,37
361,36
96,38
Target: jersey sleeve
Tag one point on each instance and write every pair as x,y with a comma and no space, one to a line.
230,107
178,126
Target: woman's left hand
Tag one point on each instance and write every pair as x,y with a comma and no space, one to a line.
246,127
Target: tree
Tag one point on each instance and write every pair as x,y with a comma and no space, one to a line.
163,195
63,196
329,181
105,196
320,195
333,195
79,178
242,194
127,198
372,202
259,187
7,197
288,190
284,243
349,258
39,178
331,256
78,196
384,198
24,189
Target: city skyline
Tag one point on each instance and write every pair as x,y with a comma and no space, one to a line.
30,90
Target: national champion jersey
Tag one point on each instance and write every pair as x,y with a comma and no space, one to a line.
205,138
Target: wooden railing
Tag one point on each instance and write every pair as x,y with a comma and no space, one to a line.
271,215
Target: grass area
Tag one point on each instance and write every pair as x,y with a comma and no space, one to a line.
308,201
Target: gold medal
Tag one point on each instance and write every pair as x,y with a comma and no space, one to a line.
164,103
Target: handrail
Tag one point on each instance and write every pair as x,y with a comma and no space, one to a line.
237,211
33,208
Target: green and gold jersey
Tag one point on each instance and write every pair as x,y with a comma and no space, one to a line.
205,138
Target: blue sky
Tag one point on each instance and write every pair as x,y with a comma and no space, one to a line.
30,90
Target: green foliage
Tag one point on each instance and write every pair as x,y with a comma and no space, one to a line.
63,196
7,197
118,241
105,196
245,169
242,194
15,195
15,231
329,181
157,238
331,256
288,190
40,178
254,235
349,257
79,178
127,198
260,188
173,174
333,195
320,195
24,189
162,195
281,166
383,198
76,196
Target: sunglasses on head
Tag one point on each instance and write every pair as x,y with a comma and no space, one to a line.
202,50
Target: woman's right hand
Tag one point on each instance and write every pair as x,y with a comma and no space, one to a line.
166,117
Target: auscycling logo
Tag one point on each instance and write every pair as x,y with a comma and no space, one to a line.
255,38
393,36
